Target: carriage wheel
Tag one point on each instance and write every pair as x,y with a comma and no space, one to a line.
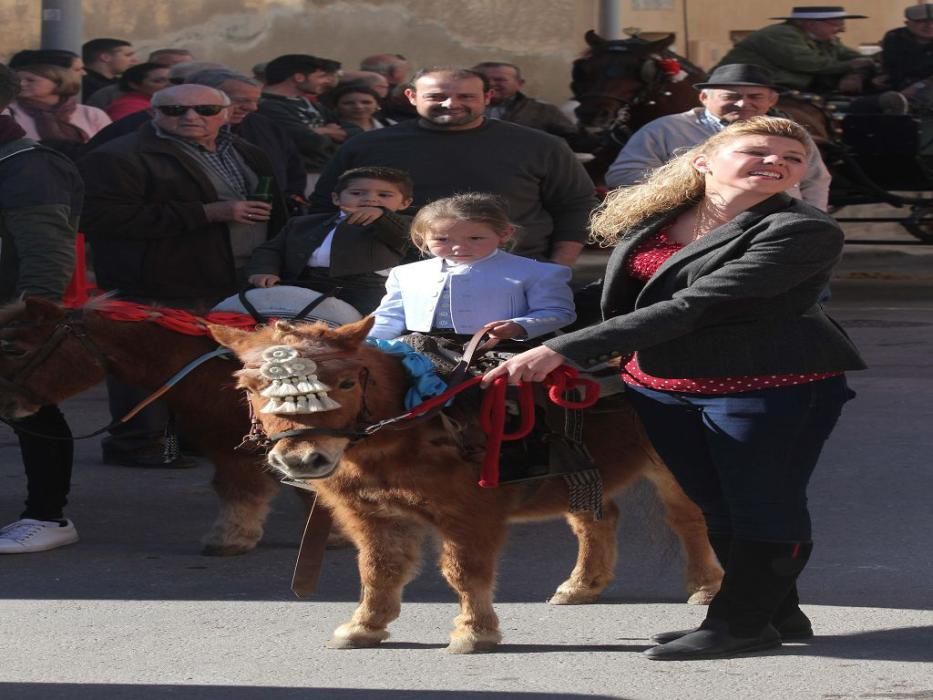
920,223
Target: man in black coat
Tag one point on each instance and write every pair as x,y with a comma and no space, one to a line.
171,218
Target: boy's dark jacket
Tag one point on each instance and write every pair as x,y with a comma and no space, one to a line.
355,249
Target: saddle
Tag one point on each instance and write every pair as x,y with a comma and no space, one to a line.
555,447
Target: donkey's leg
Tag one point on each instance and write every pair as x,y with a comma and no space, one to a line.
596,557
389,553
703,574
468,562
245,491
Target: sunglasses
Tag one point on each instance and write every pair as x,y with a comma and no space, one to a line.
179,110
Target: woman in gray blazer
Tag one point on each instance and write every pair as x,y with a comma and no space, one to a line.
710,304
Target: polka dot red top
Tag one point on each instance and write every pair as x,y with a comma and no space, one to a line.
641,265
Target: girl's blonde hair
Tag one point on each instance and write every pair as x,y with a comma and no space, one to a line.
67,83
480,207
678,182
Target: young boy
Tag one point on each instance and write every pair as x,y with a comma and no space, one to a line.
352,250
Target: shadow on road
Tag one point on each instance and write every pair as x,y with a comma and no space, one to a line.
97,691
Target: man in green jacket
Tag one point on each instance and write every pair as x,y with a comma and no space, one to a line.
804,52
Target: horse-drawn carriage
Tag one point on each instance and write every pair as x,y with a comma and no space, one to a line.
873,158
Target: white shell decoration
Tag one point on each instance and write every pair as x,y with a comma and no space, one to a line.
294,387
274,371
279,353
301,366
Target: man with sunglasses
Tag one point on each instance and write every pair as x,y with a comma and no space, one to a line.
171,217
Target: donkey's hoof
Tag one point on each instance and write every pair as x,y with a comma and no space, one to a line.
355,636
566,595
473,642
573,598
701,596
211,549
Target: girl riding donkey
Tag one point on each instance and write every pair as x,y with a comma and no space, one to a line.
387,488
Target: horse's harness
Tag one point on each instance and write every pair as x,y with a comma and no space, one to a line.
363,427
653,82
72,325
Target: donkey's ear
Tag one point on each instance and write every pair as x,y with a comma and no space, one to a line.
593,39
228,337
357,331
662,44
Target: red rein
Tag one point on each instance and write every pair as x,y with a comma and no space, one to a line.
492,410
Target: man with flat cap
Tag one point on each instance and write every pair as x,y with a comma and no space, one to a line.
907,56
732,93
804,51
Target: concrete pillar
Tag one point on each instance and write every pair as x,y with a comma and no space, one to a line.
610,19
61,25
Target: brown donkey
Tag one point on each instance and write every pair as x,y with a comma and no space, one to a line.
83,345
387,489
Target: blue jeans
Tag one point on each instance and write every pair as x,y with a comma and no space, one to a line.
745,458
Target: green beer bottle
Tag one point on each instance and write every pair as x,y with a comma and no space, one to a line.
263,191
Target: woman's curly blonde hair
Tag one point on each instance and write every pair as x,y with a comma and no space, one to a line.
678,182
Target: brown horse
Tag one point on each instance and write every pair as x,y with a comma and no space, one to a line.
623,84
388,489
206,403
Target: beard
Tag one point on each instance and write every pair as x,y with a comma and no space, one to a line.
442,118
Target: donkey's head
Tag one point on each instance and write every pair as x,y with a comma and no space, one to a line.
45,357
311,388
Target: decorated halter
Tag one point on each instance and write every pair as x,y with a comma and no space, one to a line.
295,387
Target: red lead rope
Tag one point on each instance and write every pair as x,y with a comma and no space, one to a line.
492,410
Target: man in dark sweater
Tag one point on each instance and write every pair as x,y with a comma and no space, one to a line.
452,147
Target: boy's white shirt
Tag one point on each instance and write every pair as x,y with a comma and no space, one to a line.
320,256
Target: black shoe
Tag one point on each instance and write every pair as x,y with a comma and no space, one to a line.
713,641
796,627
151,458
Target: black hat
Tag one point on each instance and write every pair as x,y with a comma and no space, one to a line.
737,75
818,12
919,12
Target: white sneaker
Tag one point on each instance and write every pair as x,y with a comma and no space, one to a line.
28,535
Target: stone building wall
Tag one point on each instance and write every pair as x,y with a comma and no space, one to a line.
543,36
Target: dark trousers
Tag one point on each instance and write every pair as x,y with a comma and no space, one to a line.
745,459
363,292
47,463
145,430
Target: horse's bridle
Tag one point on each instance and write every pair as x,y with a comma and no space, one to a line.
363,428
71,325
647,94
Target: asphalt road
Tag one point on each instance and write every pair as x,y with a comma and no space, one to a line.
133,611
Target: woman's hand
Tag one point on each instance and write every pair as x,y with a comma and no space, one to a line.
530,366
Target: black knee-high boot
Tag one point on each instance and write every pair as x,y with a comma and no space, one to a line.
759,577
